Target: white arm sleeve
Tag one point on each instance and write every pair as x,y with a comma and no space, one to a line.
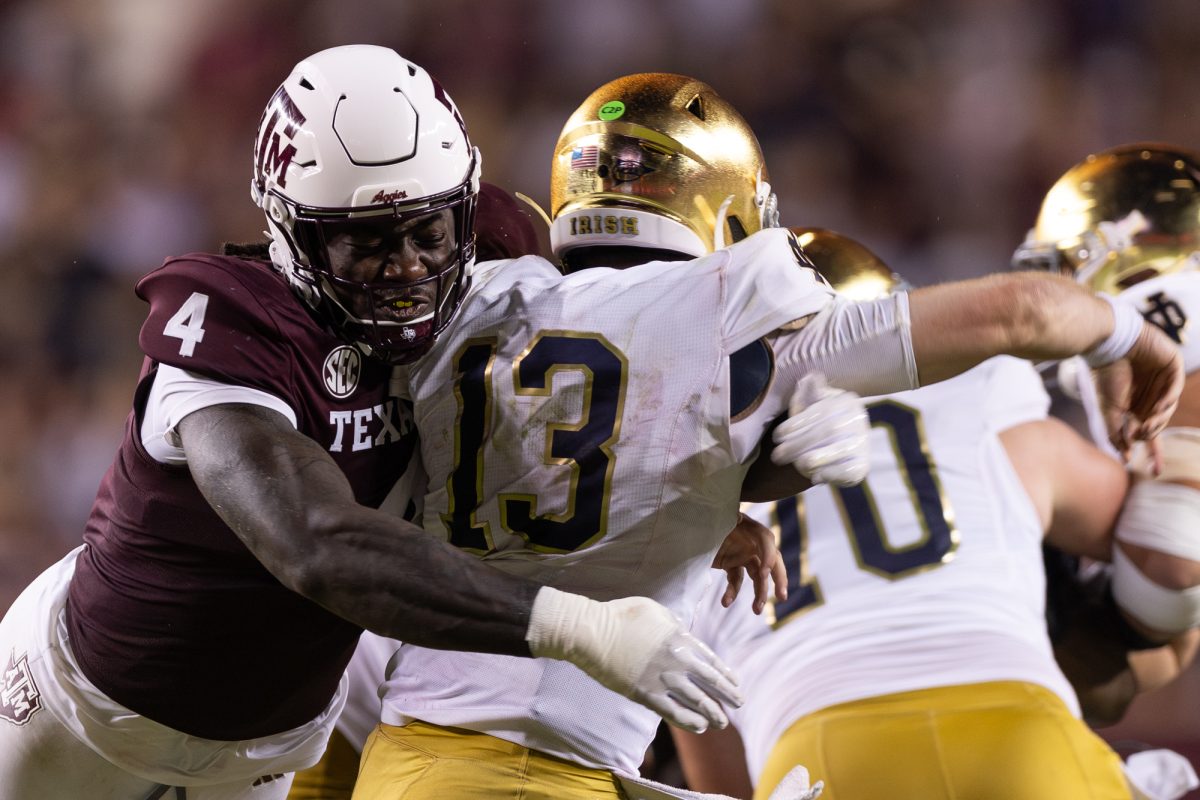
865,347
176,393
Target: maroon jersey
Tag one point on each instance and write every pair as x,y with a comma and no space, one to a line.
168,613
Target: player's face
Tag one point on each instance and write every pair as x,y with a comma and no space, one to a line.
411,253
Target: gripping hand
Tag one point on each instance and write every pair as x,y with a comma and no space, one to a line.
825,438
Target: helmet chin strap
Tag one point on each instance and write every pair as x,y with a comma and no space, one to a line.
767,201
763,198
719,224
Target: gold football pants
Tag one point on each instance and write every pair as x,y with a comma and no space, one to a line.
985,741
420,760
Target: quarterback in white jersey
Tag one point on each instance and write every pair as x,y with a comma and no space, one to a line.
592,371
585,428
911,657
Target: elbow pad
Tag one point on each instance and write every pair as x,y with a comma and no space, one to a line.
863,347
1162,516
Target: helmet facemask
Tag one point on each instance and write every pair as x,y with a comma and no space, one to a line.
375,313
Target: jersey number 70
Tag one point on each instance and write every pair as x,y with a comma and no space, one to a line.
862,519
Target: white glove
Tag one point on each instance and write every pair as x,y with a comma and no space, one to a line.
1160,774
639,649
825,438
794,786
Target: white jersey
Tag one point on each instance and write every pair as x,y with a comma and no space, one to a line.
613,469
1171,302
364,674
929,574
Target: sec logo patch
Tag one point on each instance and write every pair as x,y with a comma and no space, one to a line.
342,369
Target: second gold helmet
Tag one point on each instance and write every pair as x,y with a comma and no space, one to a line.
660,161
848,265
1119,217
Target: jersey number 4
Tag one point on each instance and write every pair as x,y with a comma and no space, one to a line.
861,517
187,324
583,445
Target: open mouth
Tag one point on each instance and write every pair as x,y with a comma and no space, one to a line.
403,307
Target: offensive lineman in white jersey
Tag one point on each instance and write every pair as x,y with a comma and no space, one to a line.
565,440
911,658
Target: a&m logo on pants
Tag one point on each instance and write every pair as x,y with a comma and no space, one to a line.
19,695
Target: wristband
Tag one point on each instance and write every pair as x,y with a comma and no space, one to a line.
1127,326
553,622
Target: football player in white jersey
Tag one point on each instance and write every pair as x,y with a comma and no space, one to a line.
595,429
911,658
1126,221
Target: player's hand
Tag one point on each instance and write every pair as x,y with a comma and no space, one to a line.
794,786
1139,393
825,438
639,649
683,680
750,548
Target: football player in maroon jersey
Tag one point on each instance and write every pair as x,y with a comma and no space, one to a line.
195,645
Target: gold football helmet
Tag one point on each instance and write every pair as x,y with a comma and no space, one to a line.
848,265
1119,217
658,161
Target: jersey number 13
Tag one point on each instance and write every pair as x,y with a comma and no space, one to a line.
582,445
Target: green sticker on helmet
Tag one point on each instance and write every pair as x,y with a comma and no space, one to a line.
611,110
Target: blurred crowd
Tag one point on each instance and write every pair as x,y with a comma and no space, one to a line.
930,129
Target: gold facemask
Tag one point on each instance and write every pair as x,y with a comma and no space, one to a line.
661,161
1119,217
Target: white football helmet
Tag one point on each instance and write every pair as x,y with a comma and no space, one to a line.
359,132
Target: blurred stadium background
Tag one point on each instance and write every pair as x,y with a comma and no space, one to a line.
929,129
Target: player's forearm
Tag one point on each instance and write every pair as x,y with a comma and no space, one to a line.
1029,315
288,502
394,579
714,762
766,481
